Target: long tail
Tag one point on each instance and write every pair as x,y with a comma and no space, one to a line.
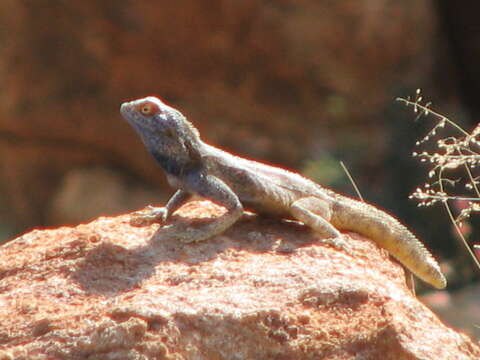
389,233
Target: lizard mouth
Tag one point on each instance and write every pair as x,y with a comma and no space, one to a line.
125,108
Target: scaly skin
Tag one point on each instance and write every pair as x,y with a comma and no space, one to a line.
196,168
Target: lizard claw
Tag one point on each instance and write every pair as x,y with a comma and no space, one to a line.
148,216
339,243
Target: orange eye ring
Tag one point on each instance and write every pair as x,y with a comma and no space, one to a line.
148,108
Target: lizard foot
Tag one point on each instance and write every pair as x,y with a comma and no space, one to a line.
193,236
339,243
148,216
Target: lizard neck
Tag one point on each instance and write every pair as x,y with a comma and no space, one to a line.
179,165
175,167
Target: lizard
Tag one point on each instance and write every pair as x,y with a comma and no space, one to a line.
195,168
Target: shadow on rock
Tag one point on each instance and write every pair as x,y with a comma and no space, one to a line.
110,269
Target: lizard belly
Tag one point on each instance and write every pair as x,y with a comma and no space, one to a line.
265,209
268,202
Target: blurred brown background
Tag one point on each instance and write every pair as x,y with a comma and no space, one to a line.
303,84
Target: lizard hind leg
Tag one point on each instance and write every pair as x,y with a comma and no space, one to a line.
315,213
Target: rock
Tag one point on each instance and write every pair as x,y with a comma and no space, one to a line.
263,290
83,193
459,308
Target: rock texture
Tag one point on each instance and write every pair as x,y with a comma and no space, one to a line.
264,290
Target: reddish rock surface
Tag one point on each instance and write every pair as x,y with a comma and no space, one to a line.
264,290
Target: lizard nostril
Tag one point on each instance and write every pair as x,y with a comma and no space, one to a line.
124,108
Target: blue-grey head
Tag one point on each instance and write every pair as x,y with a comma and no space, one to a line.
166,133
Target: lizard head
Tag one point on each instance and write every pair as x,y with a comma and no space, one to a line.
166,133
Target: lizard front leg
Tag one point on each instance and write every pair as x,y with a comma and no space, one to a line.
214,189
152,214
315,212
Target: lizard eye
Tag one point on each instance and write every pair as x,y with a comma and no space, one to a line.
148,108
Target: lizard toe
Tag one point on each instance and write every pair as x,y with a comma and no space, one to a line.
338,242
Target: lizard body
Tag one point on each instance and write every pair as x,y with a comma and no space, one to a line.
196,168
